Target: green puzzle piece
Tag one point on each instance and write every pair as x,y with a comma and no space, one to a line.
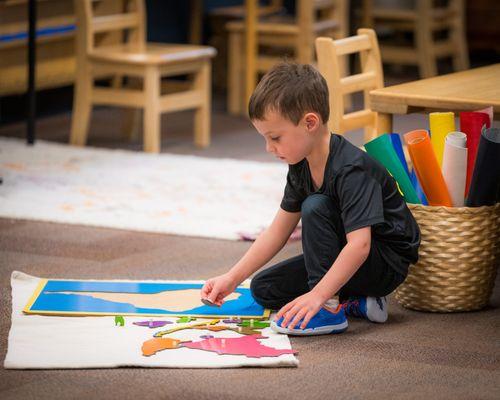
183,320
254,324
119,321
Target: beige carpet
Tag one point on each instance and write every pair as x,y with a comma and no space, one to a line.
414,355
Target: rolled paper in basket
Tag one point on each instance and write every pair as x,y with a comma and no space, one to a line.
418,187
471,123
485,184
489,111
398,147
381,149
427,168
455,166
440,123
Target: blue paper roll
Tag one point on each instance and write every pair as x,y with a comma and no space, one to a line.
418,188
398,147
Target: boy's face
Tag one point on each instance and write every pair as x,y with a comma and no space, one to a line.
288,142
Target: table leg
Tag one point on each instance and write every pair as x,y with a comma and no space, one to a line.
195,27
30,137
251,47
384,123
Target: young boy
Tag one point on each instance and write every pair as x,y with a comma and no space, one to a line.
358,235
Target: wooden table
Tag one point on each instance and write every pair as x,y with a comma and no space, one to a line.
461,91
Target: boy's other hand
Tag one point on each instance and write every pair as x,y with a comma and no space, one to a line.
216,289
302,308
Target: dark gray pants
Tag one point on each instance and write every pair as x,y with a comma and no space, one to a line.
323,237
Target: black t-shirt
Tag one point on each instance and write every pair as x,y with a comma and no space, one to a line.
365,194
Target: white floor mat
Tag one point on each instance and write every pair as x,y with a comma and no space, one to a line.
174,194
45,342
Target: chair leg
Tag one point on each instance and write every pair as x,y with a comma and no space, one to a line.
133,123
235,81
117,81
461,57
152,112
424,39
426,58
82,106
202,82
457,36
132,119
383,123
369,133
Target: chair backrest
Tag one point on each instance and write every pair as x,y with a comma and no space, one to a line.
317,12
421,10
109,22
371,77
273,6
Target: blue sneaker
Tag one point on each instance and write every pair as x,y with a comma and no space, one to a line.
372,308
322,323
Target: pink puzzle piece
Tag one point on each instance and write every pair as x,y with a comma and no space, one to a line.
245,345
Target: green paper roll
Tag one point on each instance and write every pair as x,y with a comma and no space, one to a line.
381,150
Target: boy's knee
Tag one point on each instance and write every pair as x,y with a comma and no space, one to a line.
316,205
263,292
256,287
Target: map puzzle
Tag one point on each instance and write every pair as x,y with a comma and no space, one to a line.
74,297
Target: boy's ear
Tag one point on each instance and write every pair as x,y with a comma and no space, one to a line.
311,121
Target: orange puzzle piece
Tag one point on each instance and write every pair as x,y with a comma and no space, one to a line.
152,346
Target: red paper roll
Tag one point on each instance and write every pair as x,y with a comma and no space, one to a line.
471,123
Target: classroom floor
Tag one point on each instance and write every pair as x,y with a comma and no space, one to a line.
414,355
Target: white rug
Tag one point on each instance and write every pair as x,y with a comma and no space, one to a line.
175,194
44,342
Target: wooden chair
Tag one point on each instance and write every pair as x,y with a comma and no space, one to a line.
218,18
281,34
424,21
371,77
133,57
221,15
238,11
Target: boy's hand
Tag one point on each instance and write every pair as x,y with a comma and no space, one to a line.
303,307
215,289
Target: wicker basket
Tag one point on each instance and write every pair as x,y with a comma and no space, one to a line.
458,259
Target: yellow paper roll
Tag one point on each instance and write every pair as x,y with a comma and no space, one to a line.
440,123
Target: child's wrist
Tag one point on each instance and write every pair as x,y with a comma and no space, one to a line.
234,276
321,294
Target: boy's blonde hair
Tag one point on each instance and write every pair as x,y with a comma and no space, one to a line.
292,90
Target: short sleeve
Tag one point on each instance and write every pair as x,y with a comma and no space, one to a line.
360,198
293,195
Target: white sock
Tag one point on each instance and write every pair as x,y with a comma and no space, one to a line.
332,303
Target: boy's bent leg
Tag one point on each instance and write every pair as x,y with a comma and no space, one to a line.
323,236
364,294
281,283
375,278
